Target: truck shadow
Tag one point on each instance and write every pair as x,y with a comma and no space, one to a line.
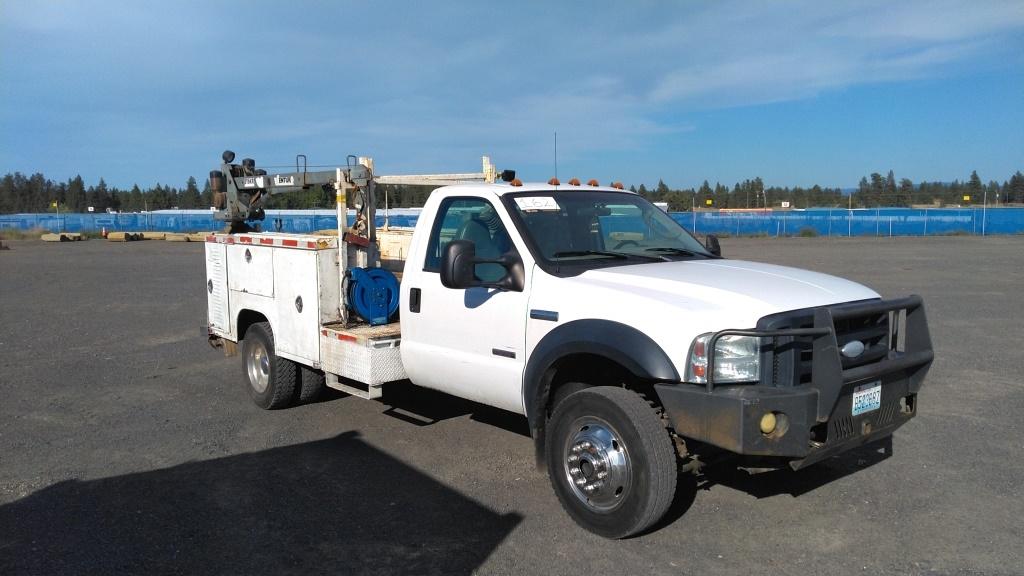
335,505
783,480
424,407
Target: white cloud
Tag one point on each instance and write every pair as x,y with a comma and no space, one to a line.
935,21
765,54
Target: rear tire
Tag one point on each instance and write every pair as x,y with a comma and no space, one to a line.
311,385
271,379
610,461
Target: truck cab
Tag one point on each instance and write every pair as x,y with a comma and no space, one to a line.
627,344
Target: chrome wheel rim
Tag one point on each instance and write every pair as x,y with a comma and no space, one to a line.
597,465
257,364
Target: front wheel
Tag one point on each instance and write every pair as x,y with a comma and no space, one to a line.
610,461
271,379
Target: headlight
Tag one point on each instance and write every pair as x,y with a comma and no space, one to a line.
737,359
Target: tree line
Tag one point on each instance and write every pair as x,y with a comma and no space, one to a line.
872,191
36,193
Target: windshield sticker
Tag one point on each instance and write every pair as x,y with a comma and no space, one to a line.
531,203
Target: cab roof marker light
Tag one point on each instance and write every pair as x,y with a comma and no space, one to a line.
593,182
618,185
574,182
516,182
553,182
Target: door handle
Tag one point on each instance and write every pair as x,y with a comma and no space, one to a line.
414,299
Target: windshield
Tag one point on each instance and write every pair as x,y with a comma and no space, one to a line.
578,227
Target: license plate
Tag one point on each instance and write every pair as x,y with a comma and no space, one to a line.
867,397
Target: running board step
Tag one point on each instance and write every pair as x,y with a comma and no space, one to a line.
354,388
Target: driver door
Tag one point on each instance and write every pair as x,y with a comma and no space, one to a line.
467,342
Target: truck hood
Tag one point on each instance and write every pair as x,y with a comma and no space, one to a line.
726,284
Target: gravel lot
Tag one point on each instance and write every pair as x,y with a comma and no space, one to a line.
127,445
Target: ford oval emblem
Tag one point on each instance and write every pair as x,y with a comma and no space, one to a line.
852,349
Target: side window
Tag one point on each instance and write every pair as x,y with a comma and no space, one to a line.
473,219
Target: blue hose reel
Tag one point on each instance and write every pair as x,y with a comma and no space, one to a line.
373,294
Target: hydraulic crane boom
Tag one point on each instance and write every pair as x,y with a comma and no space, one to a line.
239,190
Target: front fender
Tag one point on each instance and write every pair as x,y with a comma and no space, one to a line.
620,343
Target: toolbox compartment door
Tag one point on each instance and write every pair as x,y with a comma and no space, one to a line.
252,269
297,331
217,288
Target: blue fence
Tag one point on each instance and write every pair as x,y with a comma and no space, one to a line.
188,221
824,222
858,222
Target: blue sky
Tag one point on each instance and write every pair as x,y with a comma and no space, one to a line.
795,92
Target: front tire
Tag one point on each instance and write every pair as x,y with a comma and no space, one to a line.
271,379
610,461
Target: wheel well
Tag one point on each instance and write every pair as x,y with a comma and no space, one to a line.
247,318
567,373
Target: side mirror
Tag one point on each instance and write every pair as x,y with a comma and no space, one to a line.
458,268
712,244
457,264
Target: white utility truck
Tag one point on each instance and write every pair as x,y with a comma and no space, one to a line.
631,347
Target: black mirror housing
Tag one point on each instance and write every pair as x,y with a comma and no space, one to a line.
457,264
458,268
712,244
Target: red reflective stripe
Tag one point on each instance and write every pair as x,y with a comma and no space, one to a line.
346,337
290,243
323,332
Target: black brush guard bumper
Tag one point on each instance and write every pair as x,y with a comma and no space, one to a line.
817,415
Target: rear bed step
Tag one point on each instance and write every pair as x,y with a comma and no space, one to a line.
354,388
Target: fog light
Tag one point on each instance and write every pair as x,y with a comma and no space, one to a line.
768,423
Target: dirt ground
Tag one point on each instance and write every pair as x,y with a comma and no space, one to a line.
127,445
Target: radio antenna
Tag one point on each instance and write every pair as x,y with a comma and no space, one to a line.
556,154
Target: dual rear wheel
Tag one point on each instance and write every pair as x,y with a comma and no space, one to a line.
275,382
